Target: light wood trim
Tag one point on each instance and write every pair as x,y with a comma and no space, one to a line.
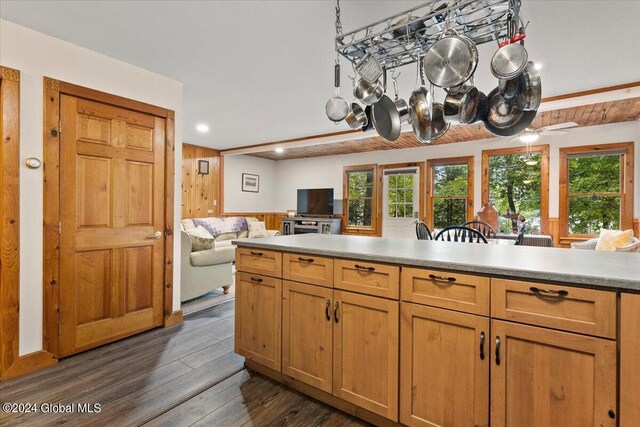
421,177
636,227
604,369
629,354
544,177
173,319
9,219
383,280
30,362
259,261
469,161
554,232
591,92
51,270
322,396
466,293
375,229
273,144
585,311
308,269
626,202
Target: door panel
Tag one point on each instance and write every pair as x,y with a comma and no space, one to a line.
366,348
549,378
444,374
307,334
111,205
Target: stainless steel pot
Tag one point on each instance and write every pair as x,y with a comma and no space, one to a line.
483,108
420,104
506,117
462,106
451,60
356,118
368,93
511,58
438,124
532,91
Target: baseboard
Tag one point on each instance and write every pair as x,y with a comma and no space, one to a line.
29,363
175,318
320,395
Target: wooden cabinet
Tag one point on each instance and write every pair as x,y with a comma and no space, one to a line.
259,261
308,269
365,352
368,278
307,334
629,360
258,318
542,377
444,370
586,311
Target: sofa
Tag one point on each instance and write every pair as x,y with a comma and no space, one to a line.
205,270
590,244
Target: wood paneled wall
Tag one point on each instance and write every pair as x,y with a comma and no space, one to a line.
200,193
272,220
636,227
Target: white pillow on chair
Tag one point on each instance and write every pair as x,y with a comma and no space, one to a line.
256,229
201,239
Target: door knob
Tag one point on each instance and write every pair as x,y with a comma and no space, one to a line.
156,235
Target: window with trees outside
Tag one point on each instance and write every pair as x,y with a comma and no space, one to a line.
449,191
596,188
516,182
360,196
400,191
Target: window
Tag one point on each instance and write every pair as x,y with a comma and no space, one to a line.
360,189
449,191
400,193
598,188
516,180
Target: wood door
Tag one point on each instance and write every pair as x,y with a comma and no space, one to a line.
629,358
365,352
307,334
258,318
541,377
111,223
444,370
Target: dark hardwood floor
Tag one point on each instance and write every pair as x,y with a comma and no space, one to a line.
181,376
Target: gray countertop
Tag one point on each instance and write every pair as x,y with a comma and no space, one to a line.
607,270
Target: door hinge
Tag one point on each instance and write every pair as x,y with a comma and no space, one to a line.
60,126
59,327
59,228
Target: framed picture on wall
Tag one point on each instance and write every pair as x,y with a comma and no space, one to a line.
203,167
250,182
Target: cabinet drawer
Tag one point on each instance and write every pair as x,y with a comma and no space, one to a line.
454,291
367,278
308,269
259,261
585,311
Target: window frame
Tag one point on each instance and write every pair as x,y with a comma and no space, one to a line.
375,208
626,184
543,149
430,196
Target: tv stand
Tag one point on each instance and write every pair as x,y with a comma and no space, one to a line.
305,225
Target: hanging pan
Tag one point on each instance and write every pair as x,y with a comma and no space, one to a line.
420,104
389,116
451,60
506,117
356,117
511,58
462,106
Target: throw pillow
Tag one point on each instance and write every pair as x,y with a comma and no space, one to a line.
609,240
201,239
633,247
257,229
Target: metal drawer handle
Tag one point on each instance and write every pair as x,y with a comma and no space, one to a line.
256,280
307,260
363,268
327,310
256,253
497,350
443,278
335,312
482,345
548,292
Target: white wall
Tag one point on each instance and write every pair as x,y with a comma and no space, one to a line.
327,171
236,200
37,55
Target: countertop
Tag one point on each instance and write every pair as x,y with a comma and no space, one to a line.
606,270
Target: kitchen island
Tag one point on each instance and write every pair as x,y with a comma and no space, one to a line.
441,333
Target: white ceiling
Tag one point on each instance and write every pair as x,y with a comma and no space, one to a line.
261,71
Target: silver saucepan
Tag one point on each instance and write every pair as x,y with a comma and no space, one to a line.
462,106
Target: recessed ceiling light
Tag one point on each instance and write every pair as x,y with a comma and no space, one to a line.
202,128
279,150
537,66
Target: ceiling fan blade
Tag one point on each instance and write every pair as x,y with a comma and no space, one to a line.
553,132
517,138
559,126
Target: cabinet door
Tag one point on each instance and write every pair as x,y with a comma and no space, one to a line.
542,377
629,359
307,334
444,371
365,352
258,315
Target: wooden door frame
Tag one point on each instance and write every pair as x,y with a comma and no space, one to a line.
446,161
53,89
421,178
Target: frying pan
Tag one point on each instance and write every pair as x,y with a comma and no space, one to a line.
511,57
451,60
420,104
438,125
532,88
389,116
505,117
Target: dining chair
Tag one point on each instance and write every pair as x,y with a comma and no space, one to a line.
520,237
486,229
422,231
460,233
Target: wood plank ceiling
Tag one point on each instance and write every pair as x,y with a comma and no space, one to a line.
624,110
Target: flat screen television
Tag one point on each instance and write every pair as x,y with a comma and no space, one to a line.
315,201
